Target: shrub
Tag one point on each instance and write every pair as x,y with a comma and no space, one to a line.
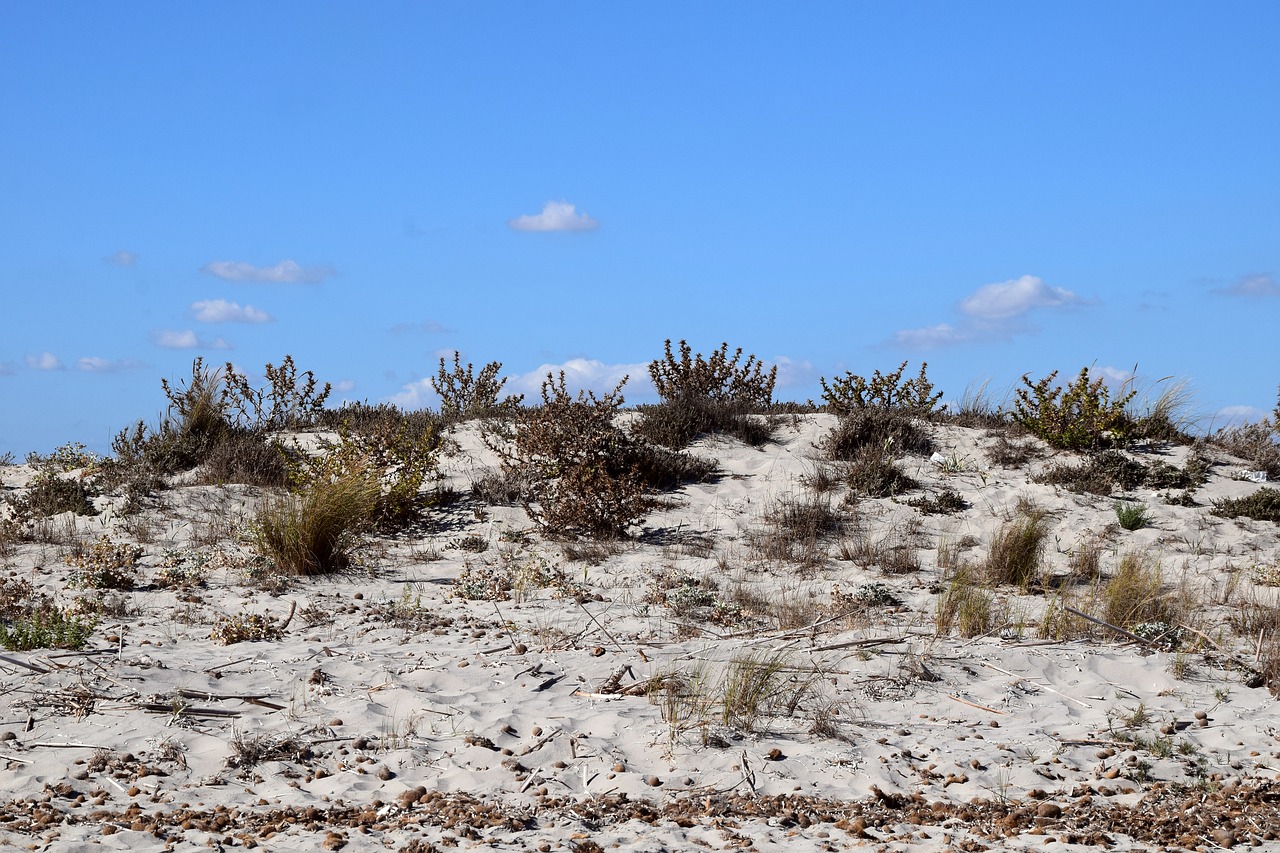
577,465
914,397
873,473
241,456
107,565
719,394
287,402
245,628
1081,417
1262,505
464,395
52,494
945,502
1100,474
798,528
890,432
316,530
68,457
1254,443
1017,549
965,607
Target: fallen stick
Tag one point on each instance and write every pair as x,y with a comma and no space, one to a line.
24,664
974,704
876,641
1121,631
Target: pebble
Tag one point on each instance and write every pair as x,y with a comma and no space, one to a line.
384,773
597,651
775,754
1049,810
652,781
536,731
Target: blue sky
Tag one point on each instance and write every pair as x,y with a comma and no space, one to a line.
998,188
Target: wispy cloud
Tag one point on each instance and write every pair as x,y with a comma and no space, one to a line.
555,216
43,361
791,373
1257,285
8,368
587,374
186,339
344,386
285,272
222,311
430,327
121,258
96,364
992,312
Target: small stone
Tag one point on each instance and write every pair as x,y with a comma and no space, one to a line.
1048,810
411,796
336,721
1202,715
8,736
359,596
463,663
133,791
652,781
519,648
995,724
775,754
1223,837
597,651
619,768
385,773
536,731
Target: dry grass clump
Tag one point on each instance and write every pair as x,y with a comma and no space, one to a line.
1100,474
700,396
1011,453
799,526
759,685
1167,417
1262,505
316,530
578,467
465,396
890,432
1017,549
1255,443
1085,560
873,473
945,502
240,456
965,606
894,553
1135,598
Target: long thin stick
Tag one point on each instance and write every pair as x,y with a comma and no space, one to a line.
1121,631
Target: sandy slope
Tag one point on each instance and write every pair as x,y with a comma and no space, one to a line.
394,713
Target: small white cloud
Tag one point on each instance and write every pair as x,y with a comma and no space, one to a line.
342,386
941,335
586,374
415,395
96,364
1257,285
1015,297
186,339
285,272
44,361
793,374
121,259
1229,415
222,311
555,216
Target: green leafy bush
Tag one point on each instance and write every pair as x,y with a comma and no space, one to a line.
45,627
716,394
1080,417
50,493
1262,505
914,397
1132,516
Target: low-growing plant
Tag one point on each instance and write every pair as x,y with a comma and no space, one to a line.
465,395
1100,473
760,685
889,432
106,565
67,457
798,528
716,394
1164,414
873,473
1017,550
850,393
1082,416
45,627
1255,443
945,502
50,493
1011,453
1085,559
245,627
1132,515
1262,505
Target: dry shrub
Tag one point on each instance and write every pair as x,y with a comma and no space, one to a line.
240,456
1084,560
52,494
890,432
1009,453
289,400
465,396
1017,550
1100,474
577,466
1254,443
873,473
886,392
719,394
945,502
894,553
1262,505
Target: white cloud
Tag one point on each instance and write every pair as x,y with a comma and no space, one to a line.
1257,285
44,361
342,386
8,368
186,339
555,216
586,374
415,395
791,373
1229,415
96,364
285,272
121,258
222,311
992,312
1015,297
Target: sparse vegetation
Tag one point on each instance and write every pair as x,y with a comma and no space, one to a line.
1132,516
317,529
1262,505
1017,549
464,395
886,392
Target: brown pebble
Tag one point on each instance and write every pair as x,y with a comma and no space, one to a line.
519,648
597,651
411,796
619,768
995,724
1112,773
652,781
1202,715
133,791
8,736
110,829
775,754
385,773
336,721
1223,837
359,596
536,731
463,663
